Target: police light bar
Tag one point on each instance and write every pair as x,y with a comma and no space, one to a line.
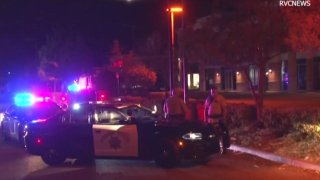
76,106
24,99
74,88
28,99
42,99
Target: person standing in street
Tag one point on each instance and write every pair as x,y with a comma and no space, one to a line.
174,108
215,113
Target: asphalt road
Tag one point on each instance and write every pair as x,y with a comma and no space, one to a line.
16,164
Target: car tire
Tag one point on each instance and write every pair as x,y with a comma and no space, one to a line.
53,157
167,155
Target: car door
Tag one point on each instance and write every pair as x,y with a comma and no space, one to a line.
6,125
13,123
112,137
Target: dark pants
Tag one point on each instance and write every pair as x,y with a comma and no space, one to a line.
221,131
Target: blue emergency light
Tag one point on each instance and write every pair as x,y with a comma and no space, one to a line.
74,88
24,99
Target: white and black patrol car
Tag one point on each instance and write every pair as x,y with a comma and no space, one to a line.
15,118
93,130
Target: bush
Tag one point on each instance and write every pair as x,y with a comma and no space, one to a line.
309,125
240,115
300,120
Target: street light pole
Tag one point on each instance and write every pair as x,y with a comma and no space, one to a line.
172,11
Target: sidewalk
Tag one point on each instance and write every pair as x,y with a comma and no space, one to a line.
276,158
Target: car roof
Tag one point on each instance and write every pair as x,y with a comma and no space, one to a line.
37,110
96,104
116,105
35,105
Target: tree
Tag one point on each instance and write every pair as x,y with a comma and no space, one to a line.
64,55
153,52
130,69
137,73
304,27
240,34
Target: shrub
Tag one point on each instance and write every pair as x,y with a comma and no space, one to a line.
240,115
302,121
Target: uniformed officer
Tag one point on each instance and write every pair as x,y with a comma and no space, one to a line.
215,107
174,108
215,113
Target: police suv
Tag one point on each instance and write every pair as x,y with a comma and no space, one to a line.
98,130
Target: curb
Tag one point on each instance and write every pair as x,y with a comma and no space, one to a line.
275,158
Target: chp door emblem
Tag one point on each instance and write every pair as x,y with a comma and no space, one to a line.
115,139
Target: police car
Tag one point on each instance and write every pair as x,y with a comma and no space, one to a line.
98,130
22,111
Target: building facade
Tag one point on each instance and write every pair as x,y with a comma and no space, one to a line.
289,72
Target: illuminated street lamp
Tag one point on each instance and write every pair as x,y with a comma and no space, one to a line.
172,11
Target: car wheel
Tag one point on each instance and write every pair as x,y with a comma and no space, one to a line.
167,155
52,157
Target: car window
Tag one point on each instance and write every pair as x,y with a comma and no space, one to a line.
81,116
108,116
136,112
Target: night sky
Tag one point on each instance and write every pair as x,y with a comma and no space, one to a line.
24,25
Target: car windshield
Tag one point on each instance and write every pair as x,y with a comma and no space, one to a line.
40,110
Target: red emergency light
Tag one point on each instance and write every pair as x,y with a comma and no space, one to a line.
38,141
102,97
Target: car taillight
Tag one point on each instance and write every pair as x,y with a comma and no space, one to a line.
102,97
38,141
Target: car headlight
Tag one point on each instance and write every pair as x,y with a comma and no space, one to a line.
192,136
1,117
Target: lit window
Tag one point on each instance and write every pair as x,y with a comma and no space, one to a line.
189,81
196,80
193,81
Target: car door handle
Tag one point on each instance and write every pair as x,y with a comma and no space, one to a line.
97,131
